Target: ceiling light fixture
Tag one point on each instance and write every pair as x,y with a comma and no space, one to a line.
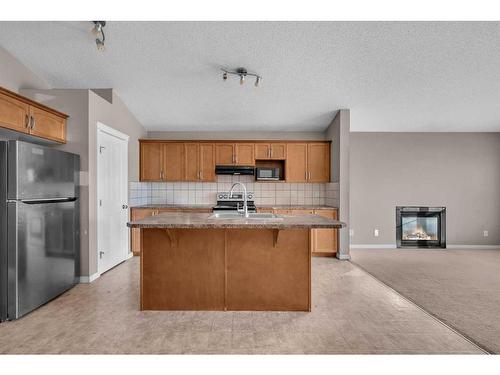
98,32
242,73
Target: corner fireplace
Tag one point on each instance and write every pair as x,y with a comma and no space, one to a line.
420,227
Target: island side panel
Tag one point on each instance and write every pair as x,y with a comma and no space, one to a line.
262,277
182,269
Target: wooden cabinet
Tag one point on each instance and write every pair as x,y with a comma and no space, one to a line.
14,114
173,162
308,162
235,154
318,162
200,161
151,161
207,162
244,154
26,116
324,241
270,151
296,162
196,160
224,154
142,213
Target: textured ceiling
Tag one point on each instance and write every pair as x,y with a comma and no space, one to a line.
393,76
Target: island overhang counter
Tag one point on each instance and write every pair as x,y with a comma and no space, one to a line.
192,261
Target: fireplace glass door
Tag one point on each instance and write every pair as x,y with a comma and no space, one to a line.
415,228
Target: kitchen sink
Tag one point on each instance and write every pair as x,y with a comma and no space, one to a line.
252,216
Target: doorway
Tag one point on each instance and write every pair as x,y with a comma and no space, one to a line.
112,197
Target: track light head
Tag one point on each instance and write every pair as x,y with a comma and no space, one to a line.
242,73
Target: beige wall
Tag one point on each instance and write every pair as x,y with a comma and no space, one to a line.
339,133
458,170
15,76
117,116
310,136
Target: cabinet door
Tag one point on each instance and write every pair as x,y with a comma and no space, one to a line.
296,162
14,114
135,233
173,161
262,151
207,162
318,162
245,154
224,154
278,151
325,240
48,125
192,159
151,162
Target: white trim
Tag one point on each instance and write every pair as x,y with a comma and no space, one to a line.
374,246
343,256
88,279
471,247
129,255
392,246
111,131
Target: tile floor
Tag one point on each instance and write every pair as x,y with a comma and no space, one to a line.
352,313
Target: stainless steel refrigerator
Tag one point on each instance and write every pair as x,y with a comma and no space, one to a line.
39,225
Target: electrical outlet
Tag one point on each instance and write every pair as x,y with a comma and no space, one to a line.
375,232
485,233
351,232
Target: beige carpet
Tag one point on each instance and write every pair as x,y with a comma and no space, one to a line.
459,287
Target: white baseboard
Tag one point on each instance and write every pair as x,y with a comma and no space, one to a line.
88,279
374,246
129,255
392,246
343,256
476,247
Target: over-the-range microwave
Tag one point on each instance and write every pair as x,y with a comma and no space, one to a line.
269,174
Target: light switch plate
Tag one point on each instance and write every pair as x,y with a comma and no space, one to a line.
485,233
375,232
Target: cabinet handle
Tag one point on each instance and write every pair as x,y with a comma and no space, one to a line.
306,176
270,152
27,120
161,175
33,123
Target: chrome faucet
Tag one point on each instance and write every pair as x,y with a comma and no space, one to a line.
245,203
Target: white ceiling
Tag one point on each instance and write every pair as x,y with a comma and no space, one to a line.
393,76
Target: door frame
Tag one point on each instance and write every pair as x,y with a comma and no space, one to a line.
102,128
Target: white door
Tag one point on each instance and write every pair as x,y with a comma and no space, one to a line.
112,198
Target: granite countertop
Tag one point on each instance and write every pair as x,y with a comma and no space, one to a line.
201,220
160,206
296,207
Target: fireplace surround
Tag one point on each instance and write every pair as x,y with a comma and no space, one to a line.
423,227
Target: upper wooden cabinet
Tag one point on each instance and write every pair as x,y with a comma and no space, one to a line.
308,162
151,161
235,154
200,162
26,116
196,160
270,151
177,161
318,162
296,162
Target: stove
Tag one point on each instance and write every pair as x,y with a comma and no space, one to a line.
225,203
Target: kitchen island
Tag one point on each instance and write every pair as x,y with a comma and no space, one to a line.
202,261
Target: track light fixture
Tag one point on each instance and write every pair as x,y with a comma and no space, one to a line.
98,32
242,73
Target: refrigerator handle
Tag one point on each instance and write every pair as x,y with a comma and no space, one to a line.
48,200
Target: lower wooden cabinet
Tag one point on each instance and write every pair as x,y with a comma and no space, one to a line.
142,213
324,242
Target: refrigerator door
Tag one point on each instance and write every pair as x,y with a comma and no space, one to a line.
39,172
43,243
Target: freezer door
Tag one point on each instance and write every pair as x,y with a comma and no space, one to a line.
43,243
39,172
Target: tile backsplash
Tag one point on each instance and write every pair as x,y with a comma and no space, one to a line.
266,193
